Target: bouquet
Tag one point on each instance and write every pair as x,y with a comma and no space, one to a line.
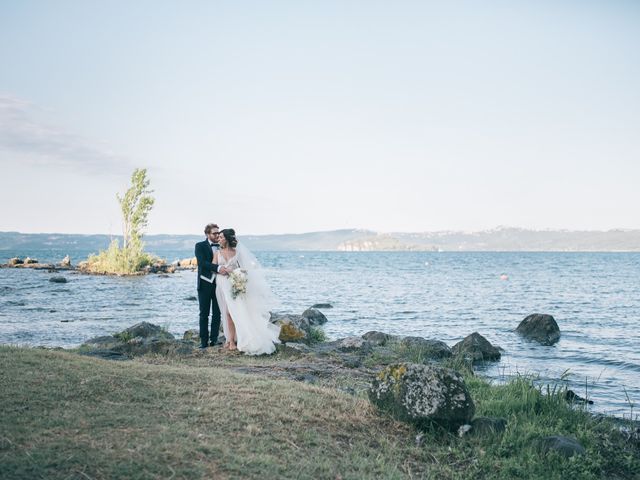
238,279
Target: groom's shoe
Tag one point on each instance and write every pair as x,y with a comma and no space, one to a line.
202,347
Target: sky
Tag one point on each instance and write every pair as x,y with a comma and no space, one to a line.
297,116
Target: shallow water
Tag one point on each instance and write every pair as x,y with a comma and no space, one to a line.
593,297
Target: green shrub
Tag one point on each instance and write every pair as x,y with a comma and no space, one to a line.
120,261
315,335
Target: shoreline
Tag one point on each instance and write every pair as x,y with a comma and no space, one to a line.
302,412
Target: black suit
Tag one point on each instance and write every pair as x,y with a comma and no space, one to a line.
207,293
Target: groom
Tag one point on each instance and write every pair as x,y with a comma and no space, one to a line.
207,271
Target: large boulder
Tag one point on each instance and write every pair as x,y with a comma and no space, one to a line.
66,261
476,348
15,261
541,328
145,330
30,261
426,348
140,339
314,317
423,395
291,333
293,328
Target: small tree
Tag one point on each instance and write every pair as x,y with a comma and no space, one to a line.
136,205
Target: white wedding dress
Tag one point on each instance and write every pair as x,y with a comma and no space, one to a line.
249,311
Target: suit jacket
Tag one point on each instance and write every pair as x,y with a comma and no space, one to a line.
206,267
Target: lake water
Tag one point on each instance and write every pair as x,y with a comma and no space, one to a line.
594,297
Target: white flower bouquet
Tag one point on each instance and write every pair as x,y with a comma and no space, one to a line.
238,279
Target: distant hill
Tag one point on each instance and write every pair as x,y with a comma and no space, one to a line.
498,239
501,239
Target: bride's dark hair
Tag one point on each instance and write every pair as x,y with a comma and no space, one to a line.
230,236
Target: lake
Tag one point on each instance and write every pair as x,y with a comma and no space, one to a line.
594,297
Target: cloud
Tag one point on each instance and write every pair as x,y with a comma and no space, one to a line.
24,136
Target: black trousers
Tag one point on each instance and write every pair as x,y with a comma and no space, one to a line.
208,305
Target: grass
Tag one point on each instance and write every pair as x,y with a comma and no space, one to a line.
119,261
315,335
68,416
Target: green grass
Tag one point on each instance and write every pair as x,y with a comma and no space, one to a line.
315,335
119,261
68,416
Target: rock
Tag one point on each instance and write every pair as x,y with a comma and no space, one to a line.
430,349
315,317
541,328
377,338
145,330
291,333
15,261
185,262
140,339
29,261
106,342
298,321
477,348
106,355
573,397
322,305
66,261
350,344
422,395
144,346
188,262
567,447
488,425
191,336
293,328
58,280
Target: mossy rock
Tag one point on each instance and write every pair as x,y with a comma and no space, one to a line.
290,333
423,395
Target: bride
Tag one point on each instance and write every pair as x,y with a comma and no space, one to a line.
245,318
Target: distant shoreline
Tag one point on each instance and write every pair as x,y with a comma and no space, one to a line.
356,240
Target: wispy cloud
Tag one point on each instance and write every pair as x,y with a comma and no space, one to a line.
26,137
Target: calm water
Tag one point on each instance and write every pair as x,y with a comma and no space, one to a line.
594,297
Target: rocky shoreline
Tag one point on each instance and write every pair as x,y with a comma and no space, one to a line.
160,267
421,391
416,380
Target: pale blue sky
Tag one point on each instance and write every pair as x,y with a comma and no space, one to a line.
299,116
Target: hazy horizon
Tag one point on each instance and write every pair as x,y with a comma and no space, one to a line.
426,232
296,117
